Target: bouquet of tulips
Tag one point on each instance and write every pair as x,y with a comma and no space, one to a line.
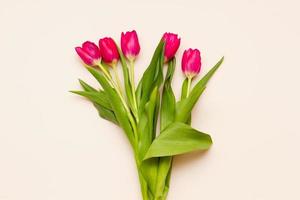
139,110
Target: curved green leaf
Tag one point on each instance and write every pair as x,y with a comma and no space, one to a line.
147,133
98,97
178,138
184,89
106,113
185,106
148,121
86,86
116,104
127,83
99,100
167,115
168,103
152,77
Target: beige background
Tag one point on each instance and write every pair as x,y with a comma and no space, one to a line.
53,146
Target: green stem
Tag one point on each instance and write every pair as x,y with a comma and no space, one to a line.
131,63
143,183
133,122
117,78
119,92
189,86
107,75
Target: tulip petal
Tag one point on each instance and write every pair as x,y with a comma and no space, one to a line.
91,49
172,43
108,50
191,62
130,44
85,57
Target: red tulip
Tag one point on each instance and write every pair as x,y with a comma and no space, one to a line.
89,53
109,51
172,43
130,44
191,62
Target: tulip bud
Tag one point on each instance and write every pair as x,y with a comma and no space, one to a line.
172,43
89,53
109,51
191,62
130,45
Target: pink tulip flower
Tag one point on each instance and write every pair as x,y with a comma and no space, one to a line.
130,45
172,42
109,51
191,62
89,53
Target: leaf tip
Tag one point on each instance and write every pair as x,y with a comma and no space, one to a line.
73,91
80,81
221,60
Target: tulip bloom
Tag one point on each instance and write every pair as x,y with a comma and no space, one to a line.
172,43
191,62
109,51
130,45
89,53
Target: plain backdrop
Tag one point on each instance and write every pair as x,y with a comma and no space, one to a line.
53,145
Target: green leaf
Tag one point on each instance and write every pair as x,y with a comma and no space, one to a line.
106,113
116,104
148,121
184,94
98,97
178,138
152,77
168,103
167,116
149,171
185,106
139,92
99,100
147,133
86,86
211,72
163,173
127,83
149,103
167,183
184,89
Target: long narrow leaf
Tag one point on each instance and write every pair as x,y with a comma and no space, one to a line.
86,86
185,106
147,126
168,102
127,83
106,113
96,97
184,94
152,77
116,104
167,115
103,107
149,121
